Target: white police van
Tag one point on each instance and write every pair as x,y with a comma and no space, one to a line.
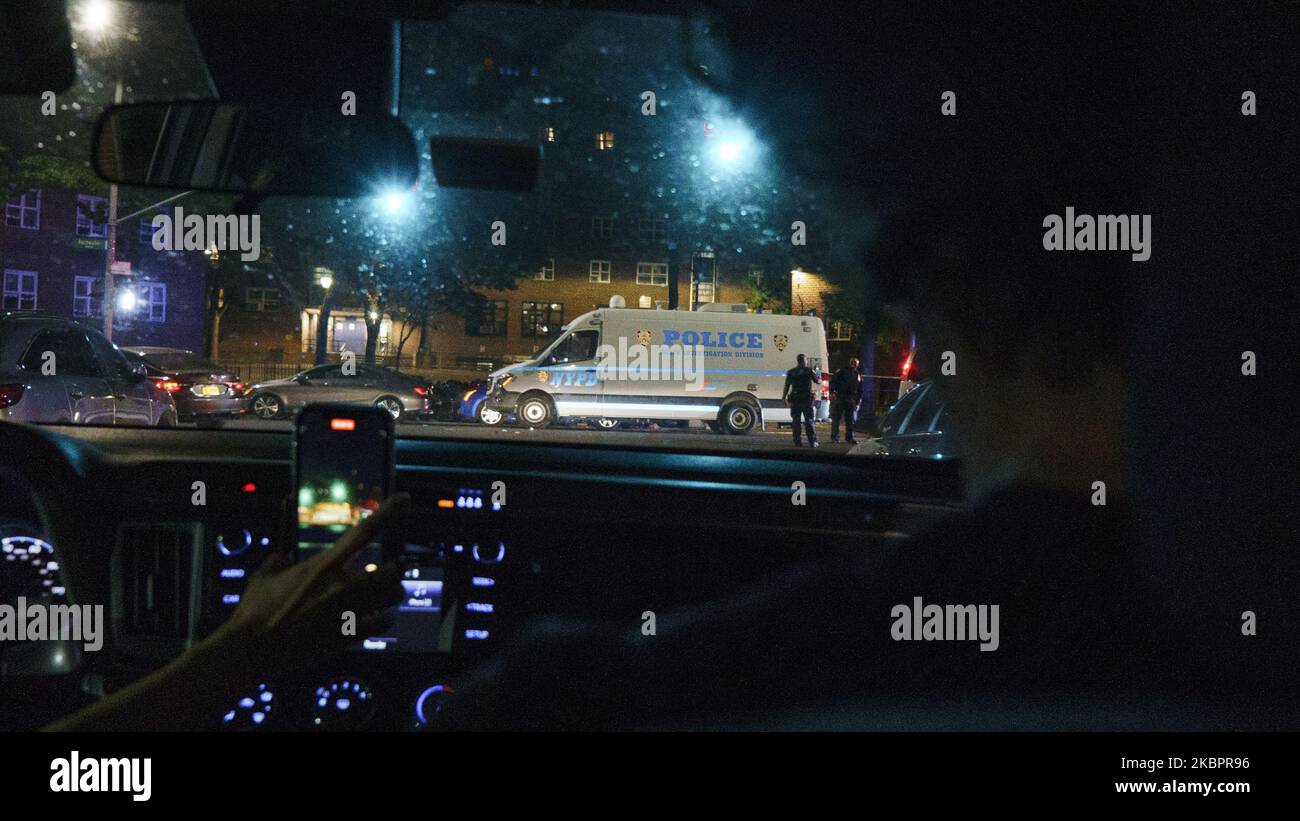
721,364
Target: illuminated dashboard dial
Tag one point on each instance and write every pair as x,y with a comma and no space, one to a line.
28,569
253,710
342,704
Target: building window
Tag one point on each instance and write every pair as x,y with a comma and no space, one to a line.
85,296
24,211
147,229
605,140
598,270
88,210
153,301
548,134
547,273
489,321
652,230
542,318
19,291
602,227
262,300
841,331
652,273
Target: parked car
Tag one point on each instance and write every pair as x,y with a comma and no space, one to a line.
55,370
473,403
913,426
406,397
203,391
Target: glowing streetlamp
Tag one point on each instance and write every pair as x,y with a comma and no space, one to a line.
126,301
95,16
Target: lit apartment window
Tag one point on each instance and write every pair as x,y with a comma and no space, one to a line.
85,296
602,227
548,134
24,211
652,273
652,230
19,291
598,270
262,300
153,301
89,210
542,318
547,272
605,140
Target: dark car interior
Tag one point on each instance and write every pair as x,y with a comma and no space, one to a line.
583,533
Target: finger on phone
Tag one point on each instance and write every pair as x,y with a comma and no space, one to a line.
365,531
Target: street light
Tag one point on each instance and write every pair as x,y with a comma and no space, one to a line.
326,281
394,203
126,300
96,16
736,148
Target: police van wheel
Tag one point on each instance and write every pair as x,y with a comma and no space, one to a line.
535,412
739,417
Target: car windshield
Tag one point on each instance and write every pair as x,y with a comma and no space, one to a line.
661,244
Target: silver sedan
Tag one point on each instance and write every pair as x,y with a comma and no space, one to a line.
404,396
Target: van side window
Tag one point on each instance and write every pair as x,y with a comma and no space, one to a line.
72,353
577,347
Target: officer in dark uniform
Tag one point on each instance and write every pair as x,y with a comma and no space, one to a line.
798,396
846,393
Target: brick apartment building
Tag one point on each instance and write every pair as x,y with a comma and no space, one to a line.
52,250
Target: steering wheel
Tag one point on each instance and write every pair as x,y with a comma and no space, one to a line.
39,473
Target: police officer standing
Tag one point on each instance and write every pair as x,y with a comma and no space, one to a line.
798,396
846,393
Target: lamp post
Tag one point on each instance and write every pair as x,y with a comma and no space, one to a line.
326,280
96,19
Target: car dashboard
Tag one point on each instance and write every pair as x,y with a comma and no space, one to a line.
167,527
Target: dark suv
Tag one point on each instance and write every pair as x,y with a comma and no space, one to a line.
54,370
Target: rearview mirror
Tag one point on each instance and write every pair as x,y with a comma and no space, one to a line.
228,148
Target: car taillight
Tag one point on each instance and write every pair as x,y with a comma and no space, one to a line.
826,385
169,385
236,387
10,394
420,390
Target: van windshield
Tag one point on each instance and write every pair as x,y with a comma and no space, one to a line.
579,346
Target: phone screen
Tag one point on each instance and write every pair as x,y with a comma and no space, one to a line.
343,470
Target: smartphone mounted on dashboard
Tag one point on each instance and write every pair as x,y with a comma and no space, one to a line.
343,470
